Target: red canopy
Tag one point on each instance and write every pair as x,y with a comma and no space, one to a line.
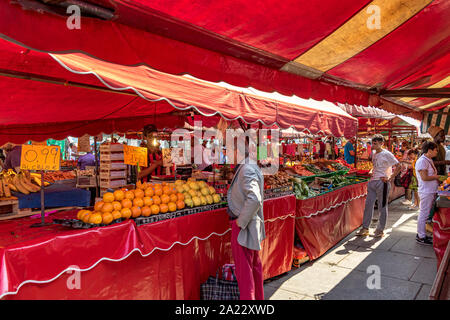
295,47
56,95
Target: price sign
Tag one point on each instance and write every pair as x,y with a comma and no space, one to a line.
38,157
134,155
167,157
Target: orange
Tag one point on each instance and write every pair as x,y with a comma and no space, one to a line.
126,213
166,190
81,213
119,195
138,193
158,191
107,218
138,202
129,195
148,201
172,206
165,198
156,200
173,198
140,185
85,216
146,211
149,192
180,196
180,204
164,208
135,212
107,207
447,181
155,209
108,197
150,185
98,206
116,214
173,190
95,218
117,205
126,203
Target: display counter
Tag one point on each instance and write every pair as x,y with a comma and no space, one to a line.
162,260
323,221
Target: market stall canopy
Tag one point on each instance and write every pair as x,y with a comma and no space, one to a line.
54,95
439,118
374,120
354,52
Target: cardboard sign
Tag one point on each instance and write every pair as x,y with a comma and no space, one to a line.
84,144
167,157
135,155
38,157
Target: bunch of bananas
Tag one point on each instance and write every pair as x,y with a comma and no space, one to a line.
24,182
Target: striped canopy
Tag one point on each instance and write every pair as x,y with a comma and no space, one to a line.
346,51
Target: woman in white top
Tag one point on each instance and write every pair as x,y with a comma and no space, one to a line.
428,181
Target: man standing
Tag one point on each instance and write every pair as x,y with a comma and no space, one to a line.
440,163
379,186
428,180
245,208
349,151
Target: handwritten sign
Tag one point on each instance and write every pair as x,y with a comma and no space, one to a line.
167,157
134,155
39,157
84,144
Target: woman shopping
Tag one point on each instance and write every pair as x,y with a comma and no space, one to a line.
428,180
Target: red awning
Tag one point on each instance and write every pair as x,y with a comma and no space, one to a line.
55,95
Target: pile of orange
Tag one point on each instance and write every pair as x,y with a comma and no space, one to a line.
145,200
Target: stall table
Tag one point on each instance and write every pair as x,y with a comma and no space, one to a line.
162,260
323,221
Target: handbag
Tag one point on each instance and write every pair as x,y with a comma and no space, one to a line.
398,180
406,178
219,289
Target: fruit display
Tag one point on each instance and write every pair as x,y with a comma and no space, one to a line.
279,180
445,185
364,165
53,176
68,163
150,199
24,182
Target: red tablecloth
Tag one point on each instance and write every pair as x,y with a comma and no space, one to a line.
441,232
323,221
163,260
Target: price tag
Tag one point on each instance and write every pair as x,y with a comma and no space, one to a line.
39,157
134,155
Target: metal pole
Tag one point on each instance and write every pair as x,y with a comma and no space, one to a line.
96,168
42,199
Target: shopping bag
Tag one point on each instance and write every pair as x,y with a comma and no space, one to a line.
219,289
228,272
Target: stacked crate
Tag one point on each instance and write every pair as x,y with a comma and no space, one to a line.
113,172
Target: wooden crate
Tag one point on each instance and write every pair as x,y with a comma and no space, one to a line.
113,183
109,165
9,206
108,147
111,156
109,175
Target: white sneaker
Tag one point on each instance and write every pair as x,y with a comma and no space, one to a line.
407,202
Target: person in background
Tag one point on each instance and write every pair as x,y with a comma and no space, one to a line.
72,151
407,169
413,186
440,163
87,159
349,151
428,179
379,186
155,160
13,155
245,209
447,155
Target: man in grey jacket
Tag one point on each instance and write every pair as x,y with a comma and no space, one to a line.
245,207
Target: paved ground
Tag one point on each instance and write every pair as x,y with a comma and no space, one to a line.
407,269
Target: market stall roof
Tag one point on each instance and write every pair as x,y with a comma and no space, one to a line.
372,120
353,53
55,95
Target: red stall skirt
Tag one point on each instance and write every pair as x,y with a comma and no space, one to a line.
441,232
323,221
163,260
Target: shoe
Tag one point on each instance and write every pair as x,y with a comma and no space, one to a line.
426,240
429,227
406,202
363,232
378,234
